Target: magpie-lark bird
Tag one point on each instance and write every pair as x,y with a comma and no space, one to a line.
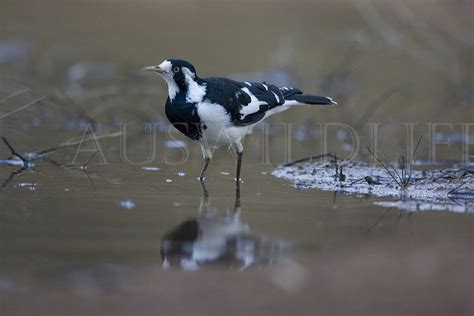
219,111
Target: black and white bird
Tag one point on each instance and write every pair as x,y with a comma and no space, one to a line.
219,111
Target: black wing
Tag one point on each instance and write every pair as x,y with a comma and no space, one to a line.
246,102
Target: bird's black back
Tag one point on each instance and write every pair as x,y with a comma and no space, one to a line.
229,94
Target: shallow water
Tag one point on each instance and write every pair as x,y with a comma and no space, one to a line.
69,245
89,241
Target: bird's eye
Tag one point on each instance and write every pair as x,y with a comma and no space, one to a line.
175,69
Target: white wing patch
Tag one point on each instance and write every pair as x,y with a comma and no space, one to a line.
195,92
253,106
276,97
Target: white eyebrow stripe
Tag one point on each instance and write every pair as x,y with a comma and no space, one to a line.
265,86
248,83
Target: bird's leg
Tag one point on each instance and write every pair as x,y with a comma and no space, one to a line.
239,166
205,193
204,206
240,150
237,205
237,195
207,154
204,168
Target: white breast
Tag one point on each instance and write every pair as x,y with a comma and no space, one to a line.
219,130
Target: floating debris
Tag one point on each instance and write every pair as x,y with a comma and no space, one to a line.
30,186
15,161
175,144
428,189
151,168
225,173
168,180
128,204
181,174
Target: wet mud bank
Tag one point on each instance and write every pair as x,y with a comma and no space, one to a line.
441,189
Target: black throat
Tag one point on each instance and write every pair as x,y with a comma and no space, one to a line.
183,114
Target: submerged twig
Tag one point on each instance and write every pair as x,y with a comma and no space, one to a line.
402,179
384,166
457,188
374,227
84,166
74,141
12,175
23,107
14,95
412,159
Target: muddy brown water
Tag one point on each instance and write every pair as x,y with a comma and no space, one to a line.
73,243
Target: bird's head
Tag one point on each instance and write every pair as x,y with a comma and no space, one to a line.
175,71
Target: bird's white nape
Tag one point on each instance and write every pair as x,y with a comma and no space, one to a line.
195,91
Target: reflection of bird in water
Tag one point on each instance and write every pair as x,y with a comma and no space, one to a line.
212,238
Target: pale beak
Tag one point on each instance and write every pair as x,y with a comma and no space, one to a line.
154,69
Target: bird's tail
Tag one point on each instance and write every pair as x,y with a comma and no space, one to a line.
310,99
295,96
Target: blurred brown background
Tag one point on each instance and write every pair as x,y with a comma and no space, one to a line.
67,246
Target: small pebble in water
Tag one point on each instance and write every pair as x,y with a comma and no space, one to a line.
128,204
